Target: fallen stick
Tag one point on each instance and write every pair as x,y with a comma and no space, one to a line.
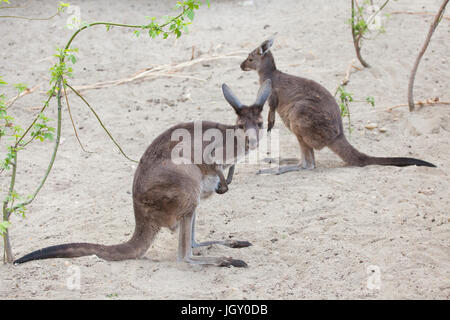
420,103
11,101
347,74
346,79
167,70
417,13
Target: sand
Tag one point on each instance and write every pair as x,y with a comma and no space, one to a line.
316,234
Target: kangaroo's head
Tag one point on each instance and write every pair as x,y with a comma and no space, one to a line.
257,58
249,119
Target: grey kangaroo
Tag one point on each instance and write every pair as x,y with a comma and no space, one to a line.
166,194
311,113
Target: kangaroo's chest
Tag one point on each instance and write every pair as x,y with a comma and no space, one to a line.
286,112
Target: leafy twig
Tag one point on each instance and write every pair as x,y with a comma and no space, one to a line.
55,150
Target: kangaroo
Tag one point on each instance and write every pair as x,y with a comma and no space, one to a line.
166,194
311,113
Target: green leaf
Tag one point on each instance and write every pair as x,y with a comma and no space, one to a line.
72,58
190,14
20,87
4,225
371,101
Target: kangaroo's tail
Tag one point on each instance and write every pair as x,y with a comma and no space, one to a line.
355,158
132,249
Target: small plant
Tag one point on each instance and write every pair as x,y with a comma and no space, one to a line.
362,26
344,99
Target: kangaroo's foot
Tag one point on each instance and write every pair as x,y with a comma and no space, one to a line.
227,243
279,170
281,161
217,261
185,244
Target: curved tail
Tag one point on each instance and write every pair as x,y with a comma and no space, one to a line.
355,158
134,248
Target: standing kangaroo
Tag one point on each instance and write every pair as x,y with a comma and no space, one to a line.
311,113
166,194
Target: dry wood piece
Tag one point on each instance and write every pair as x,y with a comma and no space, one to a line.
417,13
420,103
11,101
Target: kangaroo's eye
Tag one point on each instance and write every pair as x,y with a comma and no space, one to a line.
250,59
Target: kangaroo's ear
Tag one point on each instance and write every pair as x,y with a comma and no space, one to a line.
231,98
265,46
263,93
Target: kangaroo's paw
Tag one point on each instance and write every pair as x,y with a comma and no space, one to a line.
221,189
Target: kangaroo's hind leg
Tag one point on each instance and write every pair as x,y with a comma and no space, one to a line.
185,248
308,161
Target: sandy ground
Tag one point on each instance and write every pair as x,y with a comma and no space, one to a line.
315,234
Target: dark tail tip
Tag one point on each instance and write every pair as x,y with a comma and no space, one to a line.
45,253
399,162
29,257
416,162
71,250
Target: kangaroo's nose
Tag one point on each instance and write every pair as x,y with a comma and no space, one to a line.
243,66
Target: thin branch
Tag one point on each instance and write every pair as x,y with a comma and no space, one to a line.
428,102
377,12
11,101
7,249
55,150
27,18
347,73
109,24
420,103
17,7
357,38
52,92
433,27
101,123
71,118
346,79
